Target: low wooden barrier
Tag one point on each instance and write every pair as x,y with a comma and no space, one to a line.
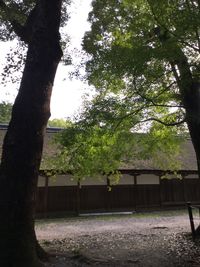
195,230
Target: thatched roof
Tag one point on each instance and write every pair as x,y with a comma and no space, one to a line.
186,158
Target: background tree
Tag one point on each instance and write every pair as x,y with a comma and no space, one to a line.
140,56
146,54
36,24
97,144
59,123
5,112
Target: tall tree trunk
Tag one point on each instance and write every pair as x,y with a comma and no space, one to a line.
188,84
23,143
190,91
192,106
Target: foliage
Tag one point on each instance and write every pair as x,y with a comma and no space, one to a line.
133,48
5,112
96,144
17,13
16,18
59,123
137,55
91,151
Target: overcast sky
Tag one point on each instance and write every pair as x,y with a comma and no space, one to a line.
67,94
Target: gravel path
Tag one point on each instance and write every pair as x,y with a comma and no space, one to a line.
143,240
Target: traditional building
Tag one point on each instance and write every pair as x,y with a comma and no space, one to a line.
141,186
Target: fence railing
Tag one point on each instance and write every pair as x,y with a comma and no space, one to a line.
194,229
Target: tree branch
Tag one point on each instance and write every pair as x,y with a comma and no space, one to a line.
195,29
182,40
156,96
135,112
154,104
24,32
162,122
17,27
128,115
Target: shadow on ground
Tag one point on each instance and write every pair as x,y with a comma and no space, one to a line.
139,250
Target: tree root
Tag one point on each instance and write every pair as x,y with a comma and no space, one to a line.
41,253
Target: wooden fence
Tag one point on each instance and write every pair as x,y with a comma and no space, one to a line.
97,198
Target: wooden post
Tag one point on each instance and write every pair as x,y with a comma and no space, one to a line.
184,188
191,219
160,190
136,191
108,199
46,196
78,197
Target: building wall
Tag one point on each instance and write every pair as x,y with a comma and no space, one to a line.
126,179
94,181
62,193
148,179
191,176
41,181
62,180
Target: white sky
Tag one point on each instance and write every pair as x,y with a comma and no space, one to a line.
67,94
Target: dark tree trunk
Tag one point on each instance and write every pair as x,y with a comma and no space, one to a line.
188,84
190,91
192,106
22,148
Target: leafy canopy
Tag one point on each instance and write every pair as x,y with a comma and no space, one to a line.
134,47
95,145
134,50
17,18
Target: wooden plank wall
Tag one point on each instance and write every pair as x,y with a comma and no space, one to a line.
91,198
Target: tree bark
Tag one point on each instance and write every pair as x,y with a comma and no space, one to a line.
188,84
192,107
189,87
23,143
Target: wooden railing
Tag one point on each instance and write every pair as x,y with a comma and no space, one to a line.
194,229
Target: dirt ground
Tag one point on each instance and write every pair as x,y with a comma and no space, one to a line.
141,240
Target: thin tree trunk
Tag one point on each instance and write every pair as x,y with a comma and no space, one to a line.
23,143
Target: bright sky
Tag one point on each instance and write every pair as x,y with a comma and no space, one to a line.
67,94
